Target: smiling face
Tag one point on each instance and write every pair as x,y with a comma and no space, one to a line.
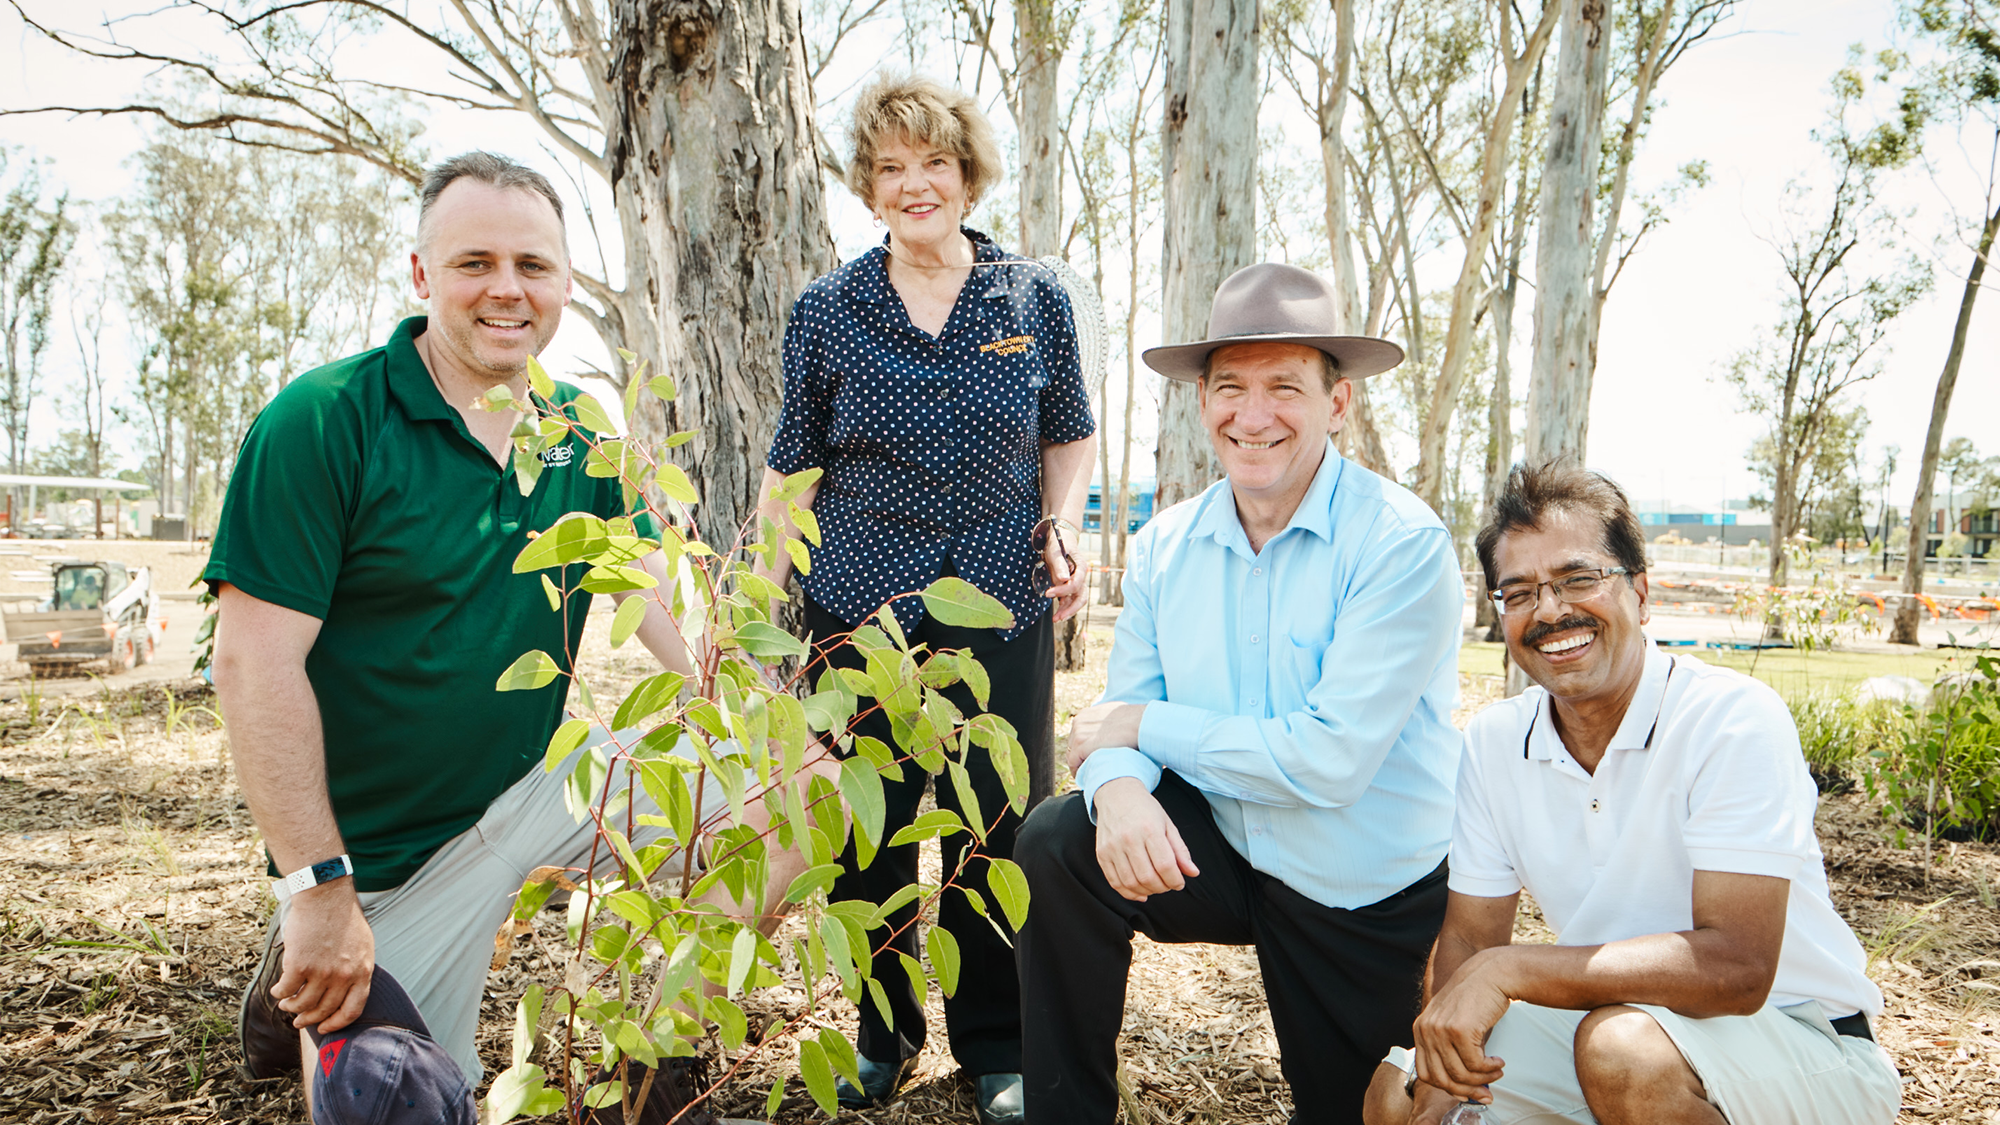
1587,652
494,267
1268,412
919,192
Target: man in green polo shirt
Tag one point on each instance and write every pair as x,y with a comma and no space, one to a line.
364,569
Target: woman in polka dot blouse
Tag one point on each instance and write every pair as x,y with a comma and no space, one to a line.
935,381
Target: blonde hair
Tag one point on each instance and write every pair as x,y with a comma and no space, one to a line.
920,112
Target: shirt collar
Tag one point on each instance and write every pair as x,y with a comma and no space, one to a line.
1314,513
1635,731
871,278
409,380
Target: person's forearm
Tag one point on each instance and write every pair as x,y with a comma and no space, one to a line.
280,756
658,630
778,567
1697,973
1066,478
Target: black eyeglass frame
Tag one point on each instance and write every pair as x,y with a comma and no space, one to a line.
1600,573
1038,538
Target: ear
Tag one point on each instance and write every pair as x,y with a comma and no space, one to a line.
1645,598
418,279
1343,400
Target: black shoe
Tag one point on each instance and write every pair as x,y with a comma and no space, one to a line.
270,1043
997,1097
879,1082
676,1086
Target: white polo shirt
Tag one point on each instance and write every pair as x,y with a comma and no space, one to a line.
1704,774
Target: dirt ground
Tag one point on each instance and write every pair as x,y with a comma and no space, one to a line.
131,900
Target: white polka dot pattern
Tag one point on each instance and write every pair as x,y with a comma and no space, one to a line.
931,446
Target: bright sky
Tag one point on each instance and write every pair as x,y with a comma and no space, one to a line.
1702,289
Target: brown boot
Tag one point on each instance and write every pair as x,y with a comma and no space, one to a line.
270,1042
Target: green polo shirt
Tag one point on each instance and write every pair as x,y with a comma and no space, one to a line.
361,499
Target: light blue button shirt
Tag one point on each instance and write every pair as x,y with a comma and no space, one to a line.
1307,688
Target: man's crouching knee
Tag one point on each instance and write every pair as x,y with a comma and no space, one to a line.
1626,1062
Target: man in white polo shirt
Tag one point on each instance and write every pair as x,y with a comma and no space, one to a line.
1660,812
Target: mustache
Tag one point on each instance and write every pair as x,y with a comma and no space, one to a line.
1538,632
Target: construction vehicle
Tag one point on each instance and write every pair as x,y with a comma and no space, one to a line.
98,611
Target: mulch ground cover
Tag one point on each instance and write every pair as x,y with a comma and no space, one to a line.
132,900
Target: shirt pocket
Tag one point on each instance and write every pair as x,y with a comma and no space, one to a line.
1303,655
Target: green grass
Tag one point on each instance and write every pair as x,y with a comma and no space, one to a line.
1791,673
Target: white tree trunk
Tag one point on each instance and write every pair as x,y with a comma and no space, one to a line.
716,158
1566,251
1209,160
1037,62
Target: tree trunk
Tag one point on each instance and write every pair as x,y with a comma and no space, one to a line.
715,156
1209,160
1359,439
1037,62
1907,611
1565,254
1430,475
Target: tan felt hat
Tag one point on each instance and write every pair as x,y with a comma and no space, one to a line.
1277,303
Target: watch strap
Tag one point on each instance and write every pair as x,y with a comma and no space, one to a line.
306,878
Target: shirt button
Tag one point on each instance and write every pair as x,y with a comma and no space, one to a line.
1254,701
1253,638
1595,805
1256,570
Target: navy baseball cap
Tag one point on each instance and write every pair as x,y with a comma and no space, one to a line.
385,1069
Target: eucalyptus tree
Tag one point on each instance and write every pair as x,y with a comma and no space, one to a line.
1836,308
36,236
1964,89
1208,161
696,116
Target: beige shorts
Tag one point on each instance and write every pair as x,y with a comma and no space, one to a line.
1776,1067
434,933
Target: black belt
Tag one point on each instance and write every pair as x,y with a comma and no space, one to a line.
1854,1026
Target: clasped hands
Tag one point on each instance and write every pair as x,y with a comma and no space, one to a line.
1138,847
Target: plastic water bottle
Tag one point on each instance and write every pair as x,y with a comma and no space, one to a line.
1465,1113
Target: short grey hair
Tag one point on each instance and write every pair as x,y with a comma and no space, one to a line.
488,168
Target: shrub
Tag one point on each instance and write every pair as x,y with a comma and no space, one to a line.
1838,733
1944,779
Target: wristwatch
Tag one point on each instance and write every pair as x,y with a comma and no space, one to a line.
306,878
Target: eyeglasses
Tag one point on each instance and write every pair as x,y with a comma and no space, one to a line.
1576,586
1039,539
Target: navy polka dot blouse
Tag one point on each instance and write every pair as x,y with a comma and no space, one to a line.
931,446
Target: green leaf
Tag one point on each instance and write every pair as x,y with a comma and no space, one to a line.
527,1016
801,555
943,950
955,601
968,799
818,1074
522,1090
807,523
880,996
937,822
812,879
673,480
495,398
840,1053
626,621
766,641
647,696
574,538
527,468
617,579
795,484
862,786
538,379
730,1022
742,956
662,387
555,595
590,414
904,896
1005,879
776,1099
534,670
679,438
914,969
566,739
974,674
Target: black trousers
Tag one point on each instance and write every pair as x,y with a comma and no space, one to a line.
983,1018
1343,985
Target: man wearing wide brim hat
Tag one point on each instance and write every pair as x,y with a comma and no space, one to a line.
1273,758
